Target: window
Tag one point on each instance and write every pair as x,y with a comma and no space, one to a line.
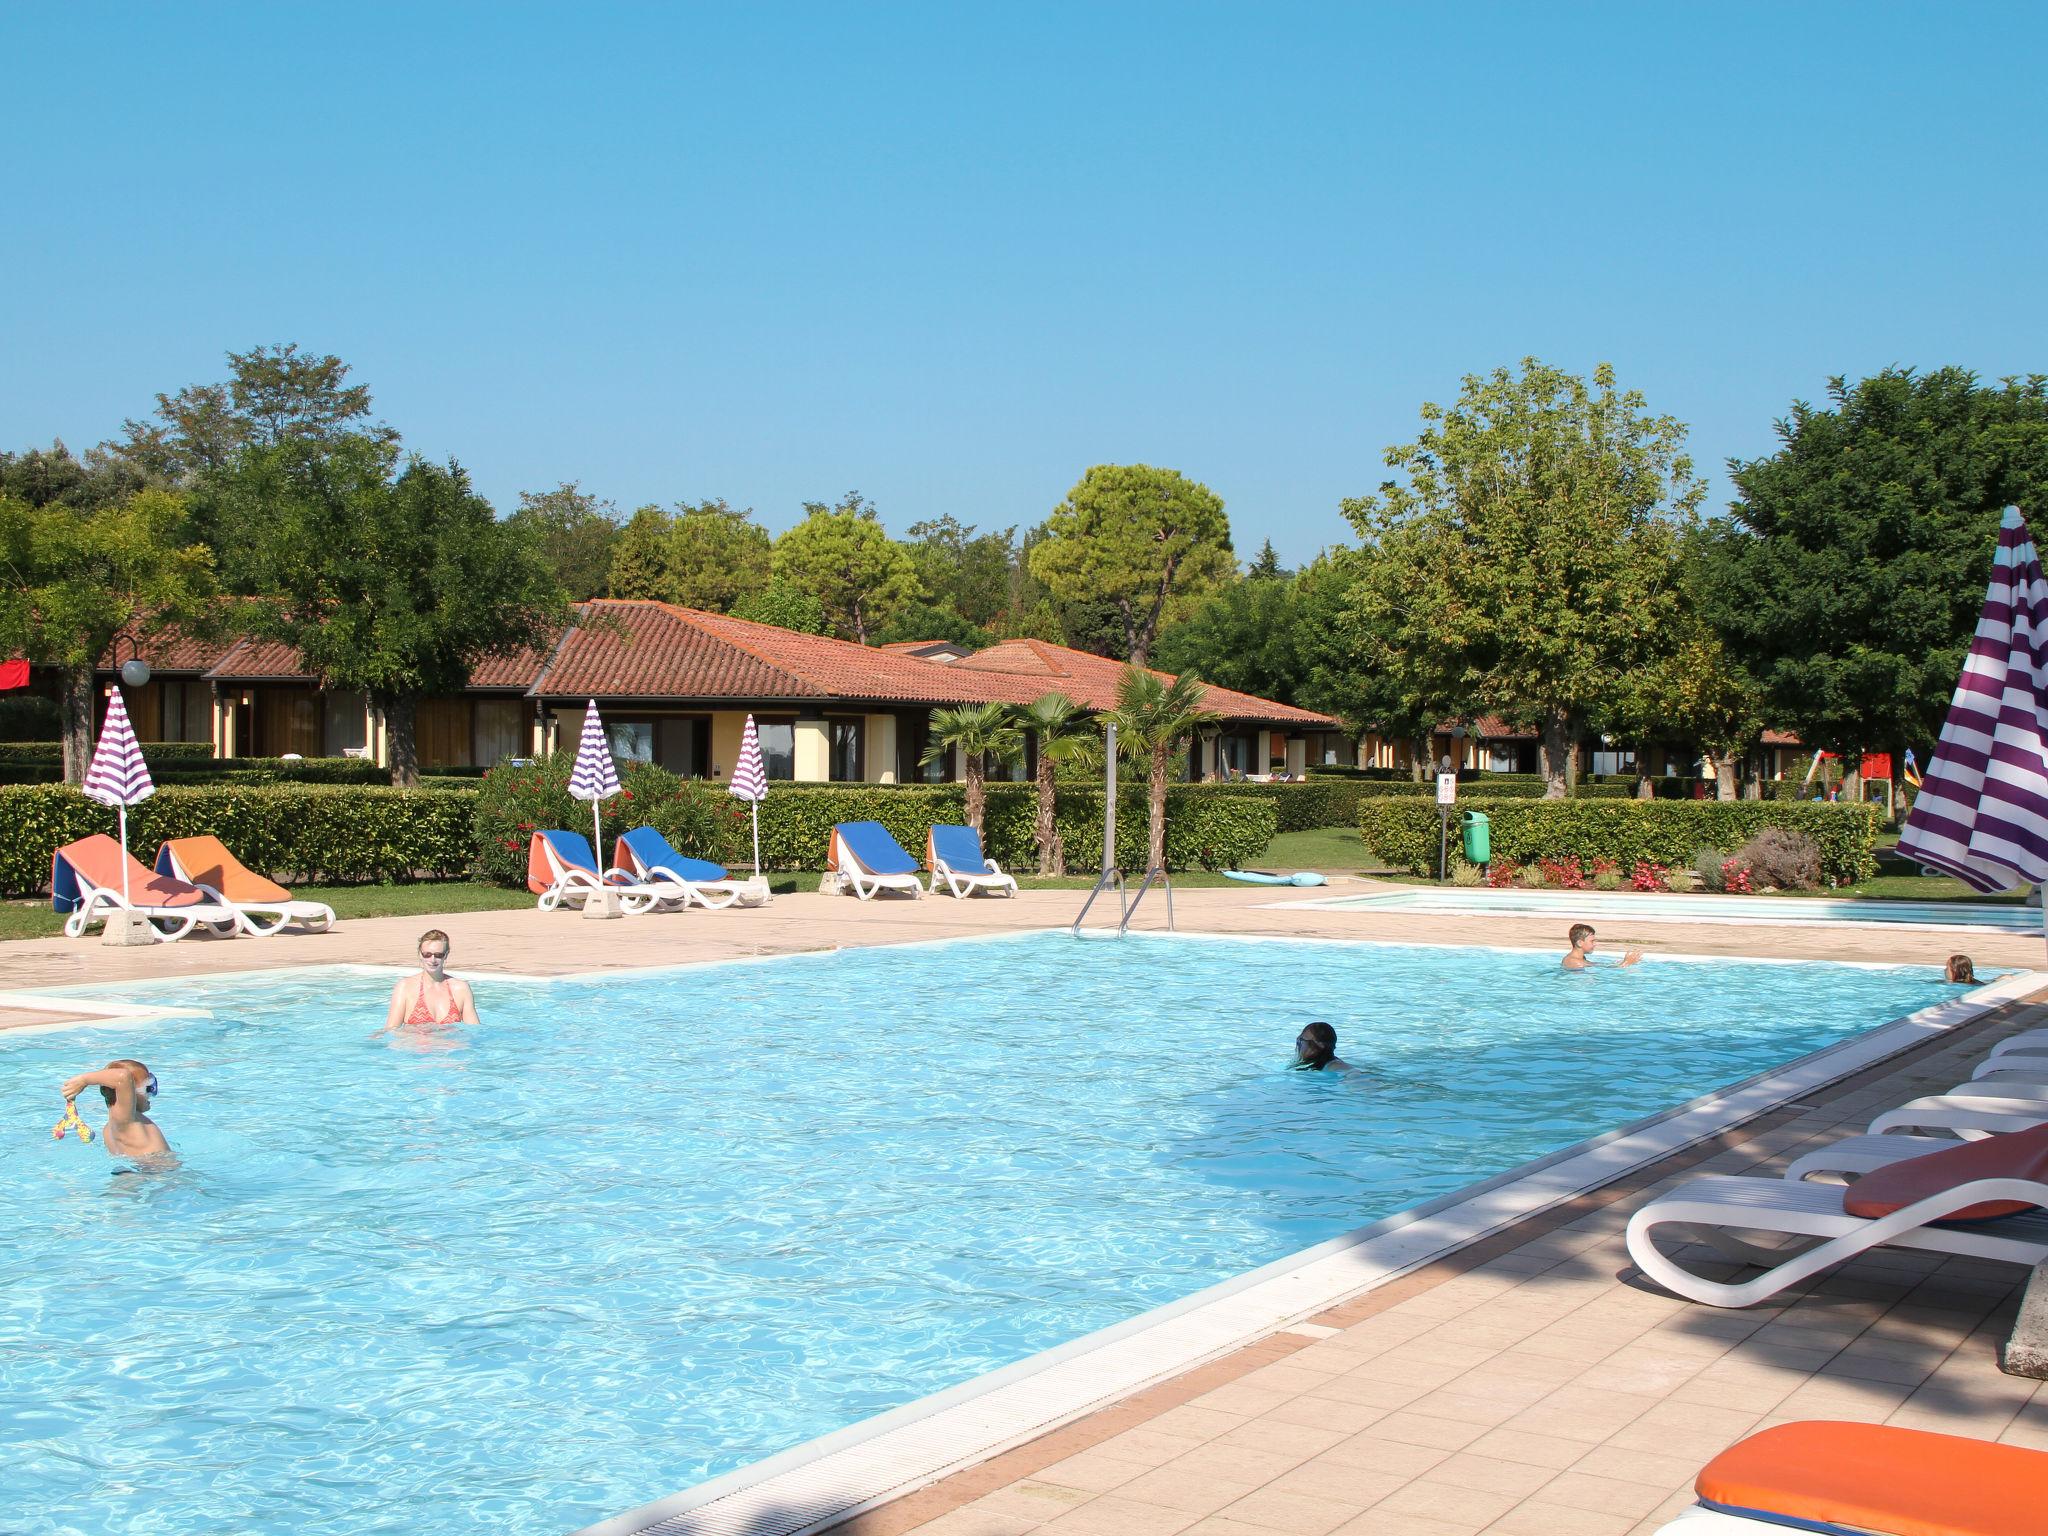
846,750
1236,753
778,747
187,713
682,745
1615,761
632,740
345,723
500,731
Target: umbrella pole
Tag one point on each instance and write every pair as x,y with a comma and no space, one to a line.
597,835
122,812
756,807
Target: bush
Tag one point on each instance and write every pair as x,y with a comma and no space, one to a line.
1629,832
193,762
1499,875
1735,878
1682,880
1463,873
1647,876
1706,865
30,717
1530,877
1607,880
293,833
1564,874
1305,807
1781,857
700,820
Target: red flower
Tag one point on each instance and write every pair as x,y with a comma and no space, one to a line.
625,794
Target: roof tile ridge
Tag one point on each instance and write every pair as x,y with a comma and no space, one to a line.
694,617
1042,648
554,656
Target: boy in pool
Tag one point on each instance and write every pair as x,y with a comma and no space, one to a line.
1315,1050
1580,955
127,1086
1962,971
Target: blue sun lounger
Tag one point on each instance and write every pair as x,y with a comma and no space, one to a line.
953,854
651,859
867,859
562,870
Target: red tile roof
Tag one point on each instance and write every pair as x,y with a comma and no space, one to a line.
1088,679
1490,728
169,649
1781,739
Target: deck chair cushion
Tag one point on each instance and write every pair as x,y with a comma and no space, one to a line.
572,848
2015,1155
1903,1482
206,861
655,851
97,861
959,849
877,852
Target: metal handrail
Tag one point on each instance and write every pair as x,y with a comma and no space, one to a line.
1145,885
1107,875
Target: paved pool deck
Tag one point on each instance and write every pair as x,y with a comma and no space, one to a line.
1529,1385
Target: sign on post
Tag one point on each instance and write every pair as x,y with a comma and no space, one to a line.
1447,789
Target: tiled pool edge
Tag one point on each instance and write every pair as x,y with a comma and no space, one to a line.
838,1476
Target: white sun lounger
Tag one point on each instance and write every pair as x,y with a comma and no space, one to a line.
1719,1206
868,861
1968,1116
954,855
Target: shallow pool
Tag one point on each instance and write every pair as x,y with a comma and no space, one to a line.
631,1234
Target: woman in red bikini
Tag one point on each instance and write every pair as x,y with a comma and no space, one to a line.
433,999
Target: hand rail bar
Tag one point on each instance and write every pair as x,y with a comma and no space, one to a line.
1107,875
1145,885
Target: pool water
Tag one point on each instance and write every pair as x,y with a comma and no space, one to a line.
633,1233
1772,911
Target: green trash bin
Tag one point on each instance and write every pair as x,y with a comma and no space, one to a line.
1478,838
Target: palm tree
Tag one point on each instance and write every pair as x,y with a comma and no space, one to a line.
1152,717
1065,731
980,731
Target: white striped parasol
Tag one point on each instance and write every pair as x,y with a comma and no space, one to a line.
750,782
118,776
1982,810
595,777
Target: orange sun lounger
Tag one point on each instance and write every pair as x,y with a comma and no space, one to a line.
261,906
86,883
1859,1479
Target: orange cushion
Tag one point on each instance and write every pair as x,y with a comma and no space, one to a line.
2015,1155
206,861
1902,1482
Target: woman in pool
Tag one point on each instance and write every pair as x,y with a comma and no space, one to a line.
433,999
1962,971
1315,1050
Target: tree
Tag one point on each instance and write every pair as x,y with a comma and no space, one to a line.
784,606
1537,534
277,395
1849,575
1063,731
1245,636
926,621
640,559
978,732
43,477
78,578
1154,717
1267,566
717,555
1136,538
575,534
967,573
396,586
842,557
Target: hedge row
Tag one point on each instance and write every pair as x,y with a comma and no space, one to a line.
1495,787
1208,826
290,832
36,754
1630,832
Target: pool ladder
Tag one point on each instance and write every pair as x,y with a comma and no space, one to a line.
1126,907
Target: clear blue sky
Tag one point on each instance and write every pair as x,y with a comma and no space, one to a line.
953,255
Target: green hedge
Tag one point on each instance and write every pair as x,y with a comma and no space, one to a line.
1492,787
1404,832
1302,807
290,832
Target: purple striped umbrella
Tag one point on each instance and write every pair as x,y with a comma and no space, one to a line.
1982,810
750,782
595,777
118,776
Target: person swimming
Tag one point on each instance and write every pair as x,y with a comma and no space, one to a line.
1315,1050
128,1087
1580,956
1962,970
433,999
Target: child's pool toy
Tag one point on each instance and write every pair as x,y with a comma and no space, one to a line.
71,1122
1265,877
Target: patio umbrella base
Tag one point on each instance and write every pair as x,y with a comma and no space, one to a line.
602,904
128,928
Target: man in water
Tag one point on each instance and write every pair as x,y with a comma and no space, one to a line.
1580,955
1315,1050
128,1087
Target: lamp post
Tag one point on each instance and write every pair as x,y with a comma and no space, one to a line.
134,671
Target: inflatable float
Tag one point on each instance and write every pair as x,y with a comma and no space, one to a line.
1266,877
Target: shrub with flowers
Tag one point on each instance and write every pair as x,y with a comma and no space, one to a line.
1603,866
1564,874
1647,876
699,820
1500,874
1735,878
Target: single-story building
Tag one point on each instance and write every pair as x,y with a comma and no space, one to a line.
675,686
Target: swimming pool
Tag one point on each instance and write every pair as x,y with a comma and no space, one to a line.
1774,911
637,1232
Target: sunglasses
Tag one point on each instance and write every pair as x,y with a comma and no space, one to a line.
433,954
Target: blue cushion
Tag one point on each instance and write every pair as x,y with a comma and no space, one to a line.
656,852
877,852
573,849
959,849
